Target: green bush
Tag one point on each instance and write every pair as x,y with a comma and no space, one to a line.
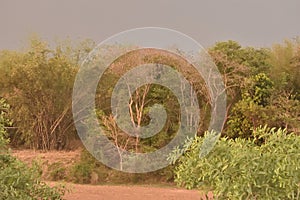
17,180
241,169
3,121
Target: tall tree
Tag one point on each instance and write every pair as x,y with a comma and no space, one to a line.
38,84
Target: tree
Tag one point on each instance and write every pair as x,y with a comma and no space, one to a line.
285,70
253,109
38,83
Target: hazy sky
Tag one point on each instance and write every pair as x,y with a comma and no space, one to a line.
252,22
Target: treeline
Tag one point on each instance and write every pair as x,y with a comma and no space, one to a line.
262,86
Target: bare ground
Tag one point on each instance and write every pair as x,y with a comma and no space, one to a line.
91,192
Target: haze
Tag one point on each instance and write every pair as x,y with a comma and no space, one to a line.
256,23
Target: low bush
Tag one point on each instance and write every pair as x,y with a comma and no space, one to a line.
88,167
57,171
242,169
82,170
17,180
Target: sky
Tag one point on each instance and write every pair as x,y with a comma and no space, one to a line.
258,23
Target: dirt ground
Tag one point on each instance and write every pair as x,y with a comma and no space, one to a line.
91,192
106,192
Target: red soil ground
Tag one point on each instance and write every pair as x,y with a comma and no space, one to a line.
91,192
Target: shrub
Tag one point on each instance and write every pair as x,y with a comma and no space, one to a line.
89,170
81,171
241,169
57,171
17,180
3,120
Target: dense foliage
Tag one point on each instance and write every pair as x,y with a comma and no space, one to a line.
261,84
38,84
242,169
4,107
17,180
